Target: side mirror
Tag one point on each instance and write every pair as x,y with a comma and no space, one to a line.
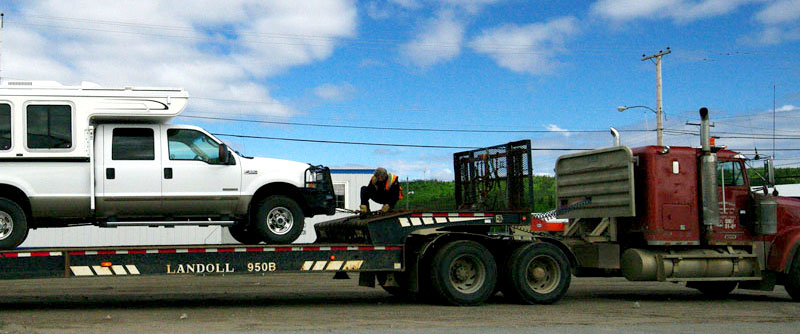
769,170
224,155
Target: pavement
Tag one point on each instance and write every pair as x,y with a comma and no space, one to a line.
313,303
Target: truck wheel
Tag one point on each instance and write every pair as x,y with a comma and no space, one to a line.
792,284
13,224
243,234
278,219
536,274
463,273
714,289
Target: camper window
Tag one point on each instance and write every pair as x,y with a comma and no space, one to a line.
5,127
49,126
132,144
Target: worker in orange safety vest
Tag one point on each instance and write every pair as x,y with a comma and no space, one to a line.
383,188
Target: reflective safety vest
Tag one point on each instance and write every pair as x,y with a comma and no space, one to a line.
390,180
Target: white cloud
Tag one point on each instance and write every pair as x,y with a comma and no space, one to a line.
219,50
439,40
471,6
556,128
419,169
410,4
782,11
677,10
528,48
779,20
335,93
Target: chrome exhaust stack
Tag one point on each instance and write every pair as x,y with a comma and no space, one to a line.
615,133
708,178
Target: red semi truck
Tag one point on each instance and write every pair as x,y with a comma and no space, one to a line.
676,214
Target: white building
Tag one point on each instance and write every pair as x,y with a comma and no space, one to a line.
346,183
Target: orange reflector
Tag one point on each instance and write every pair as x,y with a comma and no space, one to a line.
333,257
524,218
712,141
105,264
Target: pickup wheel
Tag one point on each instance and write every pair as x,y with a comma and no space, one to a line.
792,284
537,273
13,224
242,233
278,220
463,273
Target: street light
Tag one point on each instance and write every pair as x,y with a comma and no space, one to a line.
659,127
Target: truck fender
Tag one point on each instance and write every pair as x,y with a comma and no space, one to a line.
784,249
16,194
573,260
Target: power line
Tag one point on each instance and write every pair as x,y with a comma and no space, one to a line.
381,144
401,128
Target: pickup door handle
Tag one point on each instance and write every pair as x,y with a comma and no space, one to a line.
167,173
110,173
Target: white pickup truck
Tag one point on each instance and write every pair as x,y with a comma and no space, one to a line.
77,155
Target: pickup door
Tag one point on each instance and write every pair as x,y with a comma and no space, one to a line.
159,170
194,180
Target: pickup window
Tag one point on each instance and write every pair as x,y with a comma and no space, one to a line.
192,145
132,144
49,126
5,127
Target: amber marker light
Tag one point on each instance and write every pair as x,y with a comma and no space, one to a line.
105,264
333,257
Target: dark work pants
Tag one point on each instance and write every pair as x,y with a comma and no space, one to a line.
379,196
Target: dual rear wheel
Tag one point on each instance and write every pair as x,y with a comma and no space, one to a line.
466,273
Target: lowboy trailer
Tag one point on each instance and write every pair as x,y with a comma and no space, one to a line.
457,258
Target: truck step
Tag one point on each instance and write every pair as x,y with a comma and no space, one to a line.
168,223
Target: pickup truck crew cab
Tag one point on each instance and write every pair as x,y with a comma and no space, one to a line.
107,156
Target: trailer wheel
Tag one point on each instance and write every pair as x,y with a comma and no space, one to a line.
792,283
244,234
463,273
13,224
714,289
278,219
537,273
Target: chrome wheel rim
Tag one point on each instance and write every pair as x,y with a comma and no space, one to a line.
6,225
467,274
543,274
280,220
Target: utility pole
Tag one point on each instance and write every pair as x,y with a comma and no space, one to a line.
659,110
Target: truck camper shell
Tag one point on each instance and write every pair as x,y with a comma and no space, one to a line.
88,104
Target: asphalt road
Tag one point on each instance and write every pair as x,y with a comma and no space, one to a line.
315,303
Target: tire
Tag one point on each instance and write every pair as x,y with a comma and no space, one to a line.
243,234
463,273
278,220
13,224
792,283
717,289
536,273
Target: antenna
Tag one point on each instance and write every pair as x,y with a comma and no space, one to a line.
773,121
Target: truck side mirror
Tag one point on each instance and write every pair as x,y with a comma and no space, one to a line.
769,170
224,155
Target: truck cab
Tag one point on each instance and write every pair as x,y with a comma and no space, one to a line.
110,157
678,214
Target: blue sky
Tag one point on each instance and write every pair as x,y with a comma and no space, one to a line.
445,64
